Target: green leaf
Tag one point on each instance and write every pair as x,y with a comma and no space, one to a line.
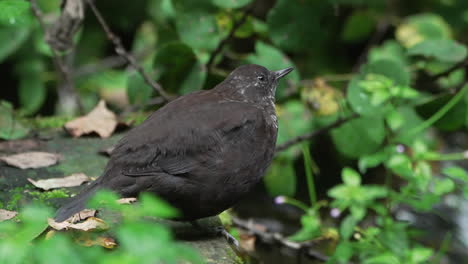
196,24
390,50
394,119
360,100
310,228
444,186
421,27
444,50
358,137
14,12
178,68
32,89
385,258
274,59
347,227
401,165
280,178
392,69
231,3
153,206
11,38
420,255
358,26
455,172
138,91
372,160
10,127
295,25
351,177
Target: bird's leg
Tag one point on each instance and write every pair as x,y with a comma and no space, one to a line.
218,230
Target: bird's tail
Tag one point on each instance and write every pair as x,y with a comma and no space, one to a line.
77,203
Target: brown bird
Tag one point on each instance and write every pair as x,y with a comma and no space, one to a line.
201,152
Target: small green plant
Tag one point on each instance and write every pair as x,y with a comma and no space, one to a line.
140,239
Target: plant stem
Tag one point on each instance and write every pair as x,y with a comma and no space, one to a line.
439,114
309,174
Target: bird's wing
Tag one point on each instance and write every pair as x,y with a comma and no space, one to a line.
181,140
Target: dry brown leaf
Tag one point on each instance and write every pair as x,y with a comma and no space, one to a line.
32,160
247,242
127,200
7,215
80,216
100,120
73,180
91,223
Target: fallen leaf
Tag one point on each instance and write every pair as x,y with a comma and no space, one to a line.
247,242
32,160
106,242
73,180
91,223
80,216
100,121
127,200
6,215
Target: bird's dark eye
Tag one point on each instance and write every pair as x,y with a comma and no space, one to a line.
261,78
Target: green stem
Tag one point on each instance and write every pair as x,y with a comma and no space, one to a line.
447,157
308,171
439,114
297,203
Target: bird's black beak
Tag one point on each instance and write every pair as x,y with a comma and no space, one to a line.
281,73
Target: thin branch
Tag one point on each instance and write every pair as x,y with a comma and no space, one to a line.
314,133
447,72
108,63
228,38
67,93
270,237
120,50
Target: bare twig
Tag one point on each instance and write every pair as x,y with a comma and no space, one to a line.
314,133
270,237
228,38
120,50
66,91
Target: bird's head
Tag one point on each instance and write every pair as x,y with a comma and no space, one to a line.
254,83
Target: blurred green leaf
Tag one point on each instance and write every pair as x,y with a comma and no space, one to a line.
456,173
401,165
293,120
295,25
351,177
359,136
138,91
231,3
153,206
32,90
443,186
280,178
420,255
178,68
421,27
389,50
196,24
11,38
347,227
392,69
10,127
274,59
310,228
445,50
15,12
358,26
